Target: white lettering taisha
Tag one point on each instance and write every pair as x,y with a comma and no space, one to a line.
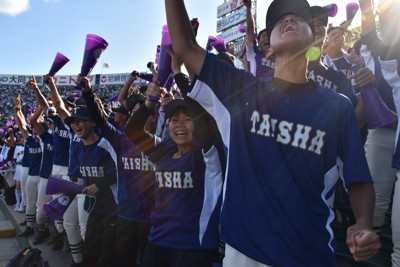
288,133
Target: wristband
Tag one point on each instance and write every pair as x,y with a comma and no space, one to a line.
154,99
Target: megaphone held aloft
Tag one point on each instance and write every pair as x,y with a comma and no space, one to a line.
59,61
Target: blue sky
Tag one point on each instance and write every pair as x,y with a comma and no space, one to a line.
33,31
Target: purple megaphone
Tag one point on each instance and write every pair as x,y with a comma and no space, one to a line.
59,61
210,42
331,10
377,113
57,185
351,10
56,208
146,76
164,67
220,46
95,46
242,28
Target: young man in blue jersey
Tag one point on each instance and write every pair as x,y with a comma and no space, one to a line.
288,142
34,153
383,55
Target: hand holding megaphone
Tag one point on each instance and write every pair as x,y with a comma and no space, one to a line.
91,190
377,113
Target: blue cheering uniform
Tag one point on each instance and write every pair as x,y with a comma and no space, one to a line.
326,77
61,141
46,144
287,146
34,155
136,182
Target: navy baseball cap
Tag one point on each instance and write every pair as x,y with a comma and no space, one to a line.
80,112
121,109
279,8
320,13
133,99
174,105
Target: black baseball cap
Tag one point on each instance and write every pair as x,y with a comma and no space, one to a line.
133,99
70,100
279,8
174,105
121,109
79,112
320,13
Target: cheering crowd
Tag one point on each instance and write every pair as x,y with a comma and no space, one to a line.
232,166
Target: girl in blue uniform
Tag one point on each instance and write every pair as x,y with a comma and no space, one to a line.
136,184
185,221
97,167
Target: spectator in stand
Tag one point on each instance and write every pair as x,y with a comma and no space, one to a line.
261,64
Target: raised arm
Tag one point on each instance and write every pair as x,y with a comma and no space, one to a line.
90,99
35,121
57,100
367,18
135,130
20,118
250,34
42,101
12,142
9,143
123,94
182,36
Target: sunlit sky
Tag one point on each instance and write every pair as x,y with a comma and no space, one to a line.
33,31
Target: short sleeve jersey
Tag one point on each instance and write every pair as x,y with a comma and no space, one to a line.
286,150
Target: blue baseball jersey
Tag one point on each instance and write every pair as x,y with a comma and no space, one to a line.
260,65
286,150
187,198
73,166
46,143
34,155
25,159
136,182
331,79
61,142
97,165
